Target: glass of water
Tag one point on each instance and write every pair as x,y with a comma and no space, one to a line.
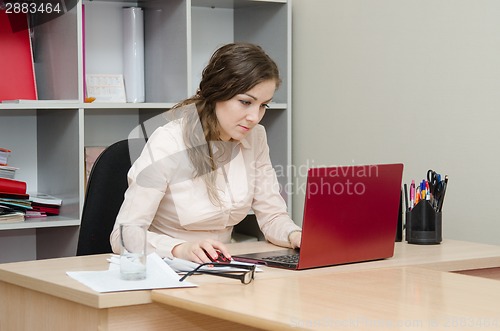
133,251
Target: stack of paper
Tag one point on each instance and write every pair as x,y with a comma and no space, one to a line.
4,156
13,200
45,204
8,172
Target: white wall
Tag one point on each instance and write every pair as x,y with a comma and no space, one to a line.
412,81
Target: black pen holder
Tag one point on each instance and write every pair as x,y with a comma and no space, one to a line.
423,224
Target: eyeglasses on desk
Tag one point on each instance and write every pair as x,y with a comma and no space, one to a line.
245,277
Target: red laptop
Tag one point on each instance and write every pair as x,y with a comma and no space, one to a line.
350,215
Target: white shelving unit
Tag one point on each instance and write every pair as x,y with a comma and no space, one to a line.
48,137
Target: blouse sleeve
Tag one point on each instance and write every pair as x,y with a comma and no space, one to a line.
148,180
268,204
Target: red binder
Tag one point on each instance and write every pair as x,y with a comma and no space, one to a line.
16,196
12,186
17,75
50,210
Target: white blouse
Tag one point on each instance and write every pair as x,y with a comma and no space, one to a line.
164,194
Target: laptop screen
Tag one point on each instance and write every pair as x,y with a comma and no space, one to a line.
351,212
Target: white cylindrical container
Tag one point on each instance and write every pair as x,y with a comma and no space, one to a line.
133,53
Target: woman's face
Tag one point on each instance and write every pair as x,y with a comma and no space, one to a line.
238,115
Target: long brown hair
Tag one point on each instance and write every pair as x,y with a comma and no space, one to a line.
233,69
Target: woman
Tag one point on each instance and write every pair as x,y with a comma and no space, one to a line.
201,173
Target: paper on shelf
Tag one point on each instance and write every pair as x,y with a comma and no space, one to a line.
38,101
105,87
159,275
44,198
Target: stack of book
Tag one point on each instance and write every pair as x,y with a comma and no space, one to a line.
16,205
5,170
43,205
14,201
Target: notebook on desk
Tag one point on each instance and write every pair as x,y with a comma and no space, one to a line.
350,215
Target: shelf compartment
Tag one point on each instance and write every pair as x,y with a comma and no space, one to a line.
41,222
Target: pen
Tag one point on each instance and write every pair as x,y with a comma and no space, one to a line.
412,194
417,195
422,190
406,198
427,191
445,185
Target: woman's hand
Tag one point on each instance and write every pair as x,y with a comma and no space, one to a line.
197,251
295,238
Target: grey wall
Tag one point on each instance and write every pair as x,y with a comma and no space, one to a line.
412,81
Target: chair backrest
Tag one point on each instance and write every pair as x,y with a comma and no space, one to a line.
104,196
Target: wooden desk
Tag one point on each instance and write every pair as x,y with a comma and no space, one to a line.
380,299
415,284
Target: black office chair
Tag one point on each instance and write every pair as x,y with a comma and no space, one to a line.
104,196
248,230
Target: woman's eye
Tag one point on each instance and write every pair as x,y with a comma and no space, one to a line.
265,105
246,103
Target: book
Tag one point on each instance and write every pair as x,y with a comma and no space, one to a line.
12,186
11,214
84,63
91,155
25,101
14,196
13,217
17,78
15,204
45,203
46,209
34,213
8,172
44,199
4,156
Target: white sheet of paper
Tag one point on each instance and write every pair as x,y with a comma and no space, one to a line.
159,275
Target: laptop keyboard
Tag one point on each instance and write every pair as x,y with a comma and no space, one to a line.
290,259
